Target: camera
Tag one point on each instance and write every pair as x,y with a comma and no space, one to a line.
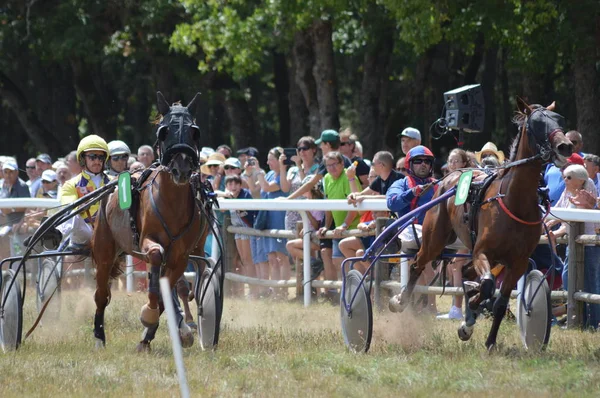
251,162
289,153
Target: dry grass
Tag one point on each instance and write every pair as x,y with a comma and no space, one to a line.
282,349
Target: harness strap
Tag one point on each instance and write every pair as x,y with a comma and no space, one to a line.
517,219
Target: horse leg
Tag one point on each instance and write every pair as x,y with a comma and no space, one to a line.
186,333
500,306
183,291
155,253
487,286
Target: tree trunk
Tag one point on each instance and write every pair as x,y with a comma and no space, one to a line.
373,107
298,111
508,126
98,103
587,100
324,74
476,59
304,60
282,90
35,130
241,122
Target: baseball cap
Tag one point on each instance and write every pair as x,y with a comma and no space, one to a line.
575,159
411,132
10,165
328,136
250,151
235,162
44,157
49,175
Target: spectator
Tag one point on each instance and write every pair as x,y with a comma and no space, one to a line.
145,155
592,165
42,162
72,163
553,177
348,149
577,180
575,137
135,166
118,157
489,162
336,185
49,183
383,168
305,164
458,159
225,150
406,195
214,171
12,187
245,153
409,138
63,174
296,246
242,218
272,248
400,166
32,172
489,149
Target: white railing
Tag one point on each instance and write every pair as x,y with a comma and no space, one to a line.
577,216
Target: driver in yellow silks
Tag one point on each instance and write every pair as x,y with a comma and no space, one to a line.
92,155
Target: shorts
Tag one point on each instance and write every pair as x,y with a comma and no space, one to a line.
367,241
325,243
259,255
336,253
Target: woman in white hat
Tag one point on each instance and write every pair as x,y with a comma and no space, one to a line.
489,149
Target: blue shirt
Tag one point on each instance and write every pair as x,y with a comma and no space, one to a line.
399,197
555,183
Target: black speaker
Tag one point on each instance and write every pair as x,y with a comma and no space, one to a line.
465,108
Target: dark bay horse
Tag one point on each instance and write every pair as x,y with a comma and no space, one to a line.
508,223
163,226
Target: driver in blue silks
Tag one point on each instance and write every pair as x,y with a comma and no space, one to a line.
409,193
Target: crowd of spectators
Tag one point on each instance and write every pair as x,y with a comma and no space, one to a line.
330,167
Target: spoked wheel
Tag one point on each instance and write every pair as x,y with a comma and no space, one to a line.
534,322
209,310
11,313
48,282
357,324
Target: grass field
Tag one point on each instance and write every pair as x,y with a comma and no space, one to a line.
282,349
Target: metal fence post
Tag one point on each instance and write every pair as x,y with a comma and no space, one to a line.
576,276
229,248
299,270
379,266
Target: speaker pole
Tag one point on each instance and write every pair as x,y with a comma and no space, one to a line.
461,138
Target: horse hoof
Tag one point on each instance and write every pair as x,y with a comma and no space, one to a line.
192,325
191,297
395,304
491,348
187,339
100,344
143,346
149,316
465,332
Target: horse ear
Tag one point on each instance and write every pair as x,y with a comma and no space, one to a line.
194,104
163,105
523,106
552,106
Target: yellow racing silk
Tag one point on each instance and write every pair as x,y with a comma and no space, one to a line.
78,187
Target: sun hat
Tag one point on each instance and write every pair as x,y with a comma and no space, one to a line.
235,162
214,159
10,165
490,149
49,175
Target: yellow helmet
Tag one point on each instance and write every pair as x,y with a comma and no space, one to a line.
91,143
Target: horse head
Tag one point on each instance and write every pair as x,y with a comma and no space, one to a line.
547,129
178,138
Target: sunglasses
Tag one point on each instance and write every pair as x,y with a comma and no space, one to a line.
575,142
303,148
567,177
120,157
30,167
230,168
47,182
93,157
345,143
213,165
420,161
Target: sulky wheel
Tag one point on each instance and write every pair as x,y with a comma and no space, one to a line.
48,282
209,310
534,312
357,322
11,312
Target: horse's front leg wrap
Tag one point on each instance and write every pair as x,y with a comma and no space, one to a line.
99,329
149,316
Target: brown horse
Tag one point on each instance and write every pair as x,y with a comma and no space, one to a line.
507,225
165,215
